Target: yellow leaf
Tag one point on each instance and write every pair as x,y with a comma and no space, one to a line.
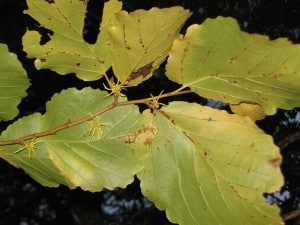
254,111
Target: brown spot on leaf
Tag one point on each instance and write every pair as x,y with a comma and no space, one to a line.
232,59
144,135
276,162
167,116
43,60
187,136
130,139
237,192
77,64
249,170
141,72
206,152
253,146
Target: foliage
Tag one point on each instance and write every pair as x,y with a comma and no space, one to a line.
236,67
201,165
13,84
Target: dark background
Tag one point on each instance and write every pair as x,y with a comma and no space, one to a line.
24,202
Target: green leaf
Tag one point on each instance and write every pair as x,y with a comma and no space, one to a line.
217,60
13,84
209,167
38,166
67,52
79,155
142,40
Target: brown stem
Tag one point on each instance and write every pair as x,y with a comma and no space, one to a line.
291,215
57,129
91,116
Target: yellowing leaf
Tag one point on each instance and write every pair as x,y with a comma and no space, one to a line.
38,166
209,167
218,61
13,84
253,111
142,40
77,156
67,52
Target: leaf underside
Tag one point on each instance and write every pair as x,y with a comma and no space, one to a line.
218,61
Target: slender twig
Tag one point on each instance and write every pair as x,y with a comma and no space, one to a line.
291,215
289,139
66,125
89,117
